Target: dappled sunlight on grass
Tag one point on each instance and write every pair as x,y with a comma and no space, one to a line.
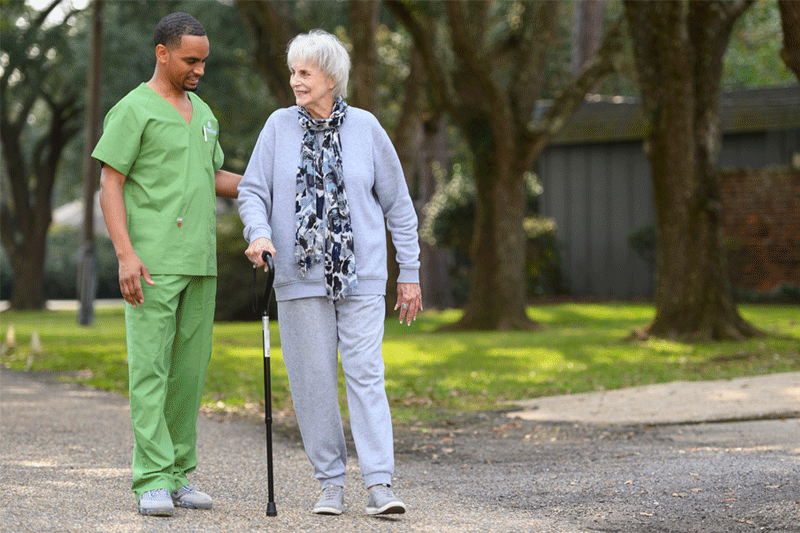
576,313
663,346
580,348
776,320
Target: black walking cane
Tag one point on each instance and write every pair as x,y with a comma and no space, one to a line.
267,258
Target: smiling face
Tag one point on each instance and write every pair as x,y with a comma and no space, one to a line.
184,65
312,89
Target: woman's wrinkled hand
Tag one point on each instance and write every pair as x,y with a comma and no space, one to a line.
409,301
256,249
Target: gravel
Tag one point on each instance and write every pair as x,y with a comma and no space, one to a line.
65,458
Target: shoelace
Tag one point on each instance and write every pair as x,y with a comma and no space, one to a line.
329,493
383,490
154,494
186,489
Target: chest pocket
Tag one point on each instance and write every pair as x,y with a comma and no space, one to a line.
210,136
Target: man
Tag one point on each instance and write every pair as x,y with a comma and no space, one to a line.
161,172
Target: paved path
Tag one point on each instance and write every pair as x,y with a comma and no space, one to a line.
65,466
680,402
65,463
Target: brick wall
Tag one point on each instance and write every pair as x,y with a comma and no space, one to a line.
761,209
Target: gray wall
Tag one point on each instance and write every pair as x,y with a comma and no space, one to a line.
598,194
601,192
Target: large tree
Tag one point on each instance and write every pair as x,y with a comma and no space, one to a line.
41,107
490,68
678,48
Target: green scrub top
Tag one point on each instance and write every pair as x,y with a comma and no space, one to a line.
169,189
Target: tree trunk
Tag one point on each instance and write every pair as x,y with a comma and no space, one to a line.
678,49
26,206
87,281
363,17
24,223
790,21
434,274
497,294
28,263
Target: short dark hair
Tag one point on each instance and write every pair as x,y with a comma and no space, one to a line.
174,26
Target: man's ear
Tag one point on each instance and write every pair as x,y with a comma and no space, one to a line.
162,53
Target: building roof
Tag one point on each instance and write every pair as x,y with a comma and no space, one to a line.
609,119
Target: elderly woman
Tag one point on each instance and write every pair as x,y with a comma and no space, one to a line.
321,180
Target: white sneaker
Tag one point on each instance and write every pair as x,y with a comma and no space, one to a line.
156,503
188,496
383,501
331,501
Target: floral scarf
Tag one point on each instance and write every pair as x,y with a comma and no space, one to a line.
321,211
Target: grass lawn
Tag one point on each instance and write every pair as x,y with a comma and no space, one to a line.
431,375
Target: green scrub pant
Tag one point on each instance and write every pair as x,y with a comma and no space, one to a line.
169,347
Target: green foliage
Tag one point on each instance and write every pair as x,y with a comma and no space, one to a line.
393,49
430,375
63,259
643,242
753,55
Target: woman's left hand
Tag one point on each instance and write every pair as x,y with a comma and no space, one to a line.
409,301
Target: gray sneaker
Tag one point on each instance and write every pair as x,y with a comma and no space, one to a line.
331,501
156,503
188,496
382,501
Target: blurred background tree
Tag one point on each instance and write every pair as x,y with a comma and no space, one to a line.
41,108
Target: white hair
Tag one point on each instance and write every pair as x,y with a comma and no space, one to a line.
324,50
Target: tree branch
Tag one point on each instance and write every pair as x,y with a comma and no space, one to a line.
422,33
538,18
602,63
473,75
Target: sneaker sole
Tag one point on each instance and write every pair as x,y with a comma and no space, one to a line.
156,512
389,508
189,505
327,511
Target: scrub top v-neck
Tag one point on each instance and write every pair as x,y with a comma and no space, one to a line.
169,191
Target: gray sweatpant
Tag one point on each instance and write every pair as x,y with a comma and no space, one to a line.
312,331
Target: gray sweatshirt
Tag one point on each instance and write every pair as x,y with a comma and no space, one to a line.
376,190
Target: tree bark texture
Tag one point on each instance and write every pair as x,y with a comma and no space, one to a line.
679,48
790,21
